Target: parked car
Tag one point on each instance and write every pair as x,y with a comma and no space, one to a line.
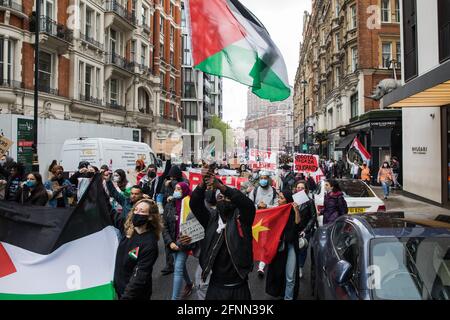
395,256
359,196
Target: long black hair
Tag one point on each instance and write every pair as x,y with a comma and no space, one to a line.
38,178
388,165
335,187
122,175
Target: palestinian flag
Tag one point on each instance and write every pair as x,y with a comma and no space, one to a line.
229,41
267,229
58,254
359,148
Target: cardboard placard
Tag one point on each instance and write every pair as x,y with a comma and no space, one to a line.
5,145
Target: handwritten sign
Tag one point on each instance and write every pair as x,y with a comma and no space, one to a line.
306,163
5,144
192,228
261,159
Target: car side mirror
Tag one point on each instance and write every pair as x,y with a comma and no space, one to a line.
342,272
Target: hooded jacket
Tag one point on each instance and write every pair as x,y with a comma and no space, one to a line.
237,232
334,206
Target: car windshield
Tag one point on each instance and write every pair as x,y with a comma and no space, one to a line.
410,268
355,189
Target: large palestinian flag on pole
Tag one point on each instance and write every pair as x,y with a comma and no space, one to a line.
58,254
229,41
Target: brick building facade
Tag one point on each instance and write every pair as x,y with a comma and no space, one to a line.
348,48
112,62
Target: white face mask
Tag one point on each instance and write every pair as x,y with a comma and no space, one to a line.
116,178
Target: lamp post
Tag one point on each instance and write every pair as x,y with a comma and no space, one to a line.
304,83
35,161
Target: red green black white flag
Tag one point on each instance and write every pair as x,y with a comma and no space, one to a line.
229,41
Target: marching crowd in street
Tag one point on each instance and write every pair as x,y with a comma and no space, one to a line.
147,207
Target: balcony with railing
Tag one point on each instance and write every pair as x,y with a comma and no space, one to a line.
53,35
45,87
91,99
119,61
8,83
11,4
91,41
114,105
118,15
166,120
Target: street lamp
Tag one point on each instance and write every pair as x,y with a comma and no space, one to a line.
304,84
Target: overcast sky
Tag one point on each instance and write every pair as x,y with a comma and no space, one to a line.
283,19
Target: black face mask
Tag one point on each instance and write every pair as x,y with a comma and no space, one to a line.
152,174
88,174
225,208
139,220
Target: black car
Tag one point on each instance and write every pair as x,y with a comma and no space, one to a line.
395,256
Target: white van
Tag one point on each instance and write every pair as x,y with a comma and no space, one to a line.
117,154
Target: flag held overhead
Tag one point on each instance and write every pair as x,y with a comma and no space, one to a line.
229,41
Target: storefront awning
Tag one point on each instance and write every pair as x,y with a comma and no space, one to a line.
345,142
381,137
429,90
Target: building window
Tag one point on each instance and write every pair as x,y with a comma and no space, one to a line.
444,29
354,105
385,10
354,62
144,15
337,76
337,8
410,39
162,106
161,51
89,22
97,82
353,17
172,59
161,24
397,11
162,78
398,54
386,55
337,42
45,71
88,81
172,34
47,8
97,27
6,61
172,84
171,9
113,41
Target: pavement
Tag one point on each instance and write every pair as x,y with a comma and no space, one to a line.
162,285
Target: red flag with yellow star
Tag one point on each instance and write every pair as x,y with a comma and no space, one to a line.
268,226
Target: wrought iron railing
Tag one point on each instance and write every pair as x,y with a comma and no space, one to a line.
113,6
10,83
91,40
51,27
91,99
46,88
115,105
115,59
11,4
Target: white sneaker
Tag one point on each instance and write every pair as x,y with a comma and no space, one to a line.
300,273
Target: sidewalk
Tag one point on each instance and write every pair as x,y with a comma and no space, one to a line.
398,202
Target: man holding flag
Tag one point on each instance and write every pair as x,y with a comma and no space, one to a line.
227,249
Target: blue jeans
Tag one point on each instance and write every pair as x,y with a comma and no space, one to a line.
180,273
385,187
303,253
291,265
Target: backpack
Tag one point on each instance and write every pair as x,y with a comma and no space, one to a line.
255,192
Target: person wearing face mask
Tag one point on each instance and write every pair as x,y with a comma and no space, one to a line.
171,235
334,204
32,191
264,195
60,188
137,251
385,177
226,251
82,178
175,175
152,183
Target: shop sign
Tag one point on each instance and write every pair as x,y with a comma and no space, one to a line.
419,150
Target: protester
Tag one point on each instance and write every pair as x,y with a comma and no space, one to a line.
282,273
15,178
287,178
120,179
308,223
32,191
365,173
311,184
152,183
395,172
82,178
334,204
125,202
340,168
50,168
264,195
137,251
61,189
354,169
171,232
385,178
226,250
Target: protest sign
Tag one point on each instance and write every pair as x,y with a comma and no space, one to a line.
300,197
306,163
261,159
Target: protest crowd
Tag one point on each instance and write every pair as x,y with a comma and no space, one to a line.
147,206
